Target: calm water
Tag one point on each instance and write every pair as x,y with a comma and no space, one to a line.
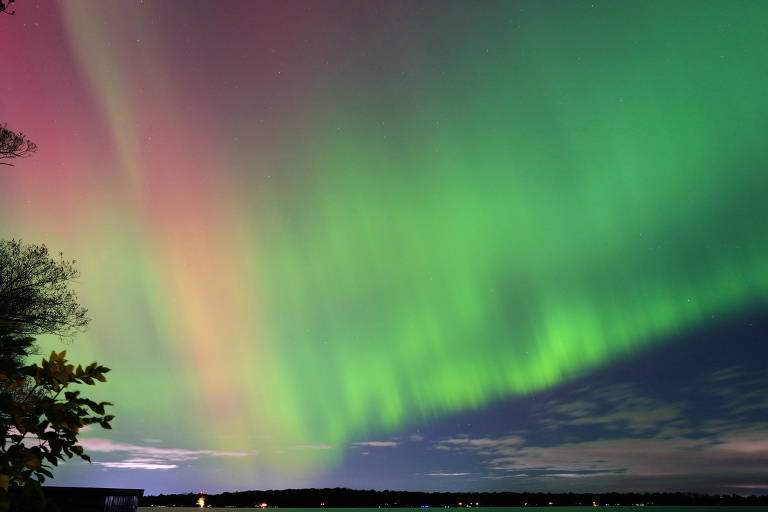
499,509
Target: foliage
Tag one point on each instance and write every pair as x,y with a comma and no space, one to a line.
13,144
41,426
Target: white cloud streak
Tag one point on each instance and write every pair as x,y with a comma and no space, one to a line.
148,457
136,465
102,445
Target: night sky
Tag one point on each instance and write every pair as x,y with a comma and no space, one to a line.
426,245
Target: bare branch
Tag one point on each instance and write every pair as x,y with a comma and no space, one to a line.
14,144
35,293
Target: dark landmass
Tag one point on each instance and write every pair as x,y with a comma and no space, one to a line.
343,498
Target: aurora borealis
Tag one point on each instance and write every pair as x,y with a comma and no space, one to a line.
305,228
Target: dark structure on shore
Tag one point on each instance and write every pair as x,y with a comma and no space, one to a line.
94,499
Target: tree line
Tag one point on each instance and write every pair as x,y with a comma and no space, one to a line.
348,498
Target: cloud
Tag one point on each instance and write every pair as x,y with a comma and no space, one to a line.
580,475
127,464
742,391
149,457
617,407
447,474
502,476
377,444
574,409
481,444
629,463
415,438
614,438
102,445
740,453
726,374
613,393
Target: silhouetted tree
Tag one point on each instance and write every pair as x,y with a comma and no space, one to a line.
40,425
14,144
40,414
4,5
35,296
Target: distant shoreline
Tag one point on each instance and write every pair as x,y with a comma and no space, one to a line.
355,498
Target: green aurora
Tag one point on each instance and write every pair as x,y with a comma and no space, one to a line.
545,201
474,202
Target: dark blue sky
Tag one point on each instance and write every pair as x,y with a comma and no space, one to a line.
688,414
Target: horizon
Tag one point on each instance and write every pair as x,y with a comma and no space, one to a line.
417,245
468,505
342,498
